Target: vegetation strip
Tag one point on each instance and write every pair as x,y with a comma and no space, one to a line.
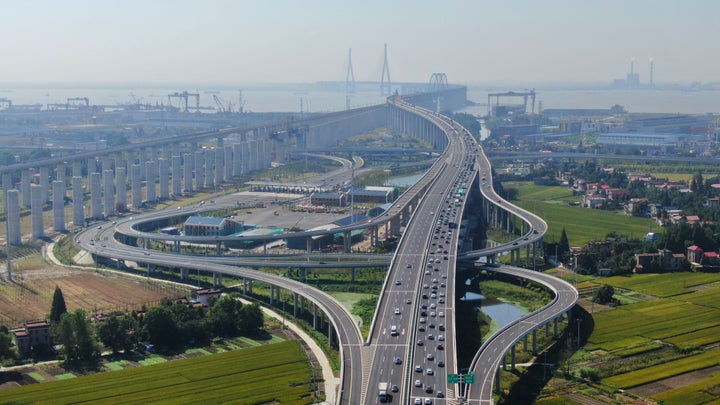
277,372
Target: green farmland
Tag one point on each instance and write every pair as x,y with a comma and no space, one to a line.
581,224
277,373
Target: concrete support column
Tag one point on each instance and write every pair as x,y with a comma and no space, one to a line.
176,163
534,349
43,182
109,192
77,168
78,201
6,186
209,168
164,178
315,316
219,165
60,173
237,161
245,157
555,328
199,170
302,304
525,343
12,215
184,274
136,185
244,281
330,334
25,181
58,195
96,209
92,166
295,305
120,187
36,211
228,161
272,294
151,171
512,358
188,172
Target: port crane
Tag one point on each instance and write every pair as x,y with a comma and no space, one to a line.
184,96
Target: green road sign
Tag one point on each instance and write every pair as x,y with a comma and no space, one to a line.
453,379
469,378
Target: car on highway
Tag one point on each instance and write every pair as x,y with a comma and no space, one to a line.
418,383
429,389
441,363
420,342
440,394
398,282
430,357
441,338
408,301
395,388
398,360
441,327
397,311
429,371
418,369
421,328
418,401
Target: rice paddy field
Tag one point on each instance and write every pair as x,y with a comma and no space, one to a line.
581,224
277,373
673,333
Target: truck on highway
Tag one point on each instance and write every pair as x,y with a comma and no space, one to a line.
382,392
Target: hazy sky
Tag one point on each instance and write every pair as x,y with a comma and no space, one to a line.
281,41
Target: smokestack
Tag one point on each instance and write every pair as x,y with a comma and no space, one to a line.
652,68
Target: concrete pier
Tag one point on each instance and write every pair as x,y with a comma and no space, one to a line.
136,185
237,161
228,161
209,168
199,170
36,212
150,176
176,163
58,202
96,209
6,186
78,201
25,180
188,172
14,237
164,178
120,187
108,192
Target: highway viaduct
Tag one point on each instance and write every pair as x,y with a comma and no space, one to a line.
438,131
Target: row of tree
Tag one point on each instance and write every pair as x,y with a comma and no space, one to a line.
169,326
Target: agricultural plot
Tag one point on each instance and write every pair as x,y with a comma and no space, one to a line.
692,394
581,224
651,320
268,374
665,370
662,285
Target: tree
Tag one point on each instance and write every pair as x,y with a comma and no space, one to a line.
58,306
6,346
74,332
118,333
225,315
161,327
604,294
251,318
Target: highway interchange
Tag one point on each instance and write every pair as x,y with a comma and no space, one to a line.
421,276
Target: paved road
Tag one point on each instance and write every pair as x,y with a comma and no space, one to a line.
492,353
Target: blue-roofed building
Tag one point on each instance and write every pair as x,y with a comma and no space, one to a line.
196,225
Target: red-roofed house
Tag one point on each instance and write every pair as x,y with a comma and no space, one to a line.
694,254
33,336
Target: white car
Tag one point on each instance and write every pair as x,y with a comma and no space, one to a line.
418,383
397,311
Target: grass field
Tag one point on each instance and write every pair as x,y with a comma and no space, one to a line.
581,224
276,373
662,285
665,370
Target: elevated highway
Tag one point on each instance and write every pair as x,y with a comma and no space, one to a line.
419,288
